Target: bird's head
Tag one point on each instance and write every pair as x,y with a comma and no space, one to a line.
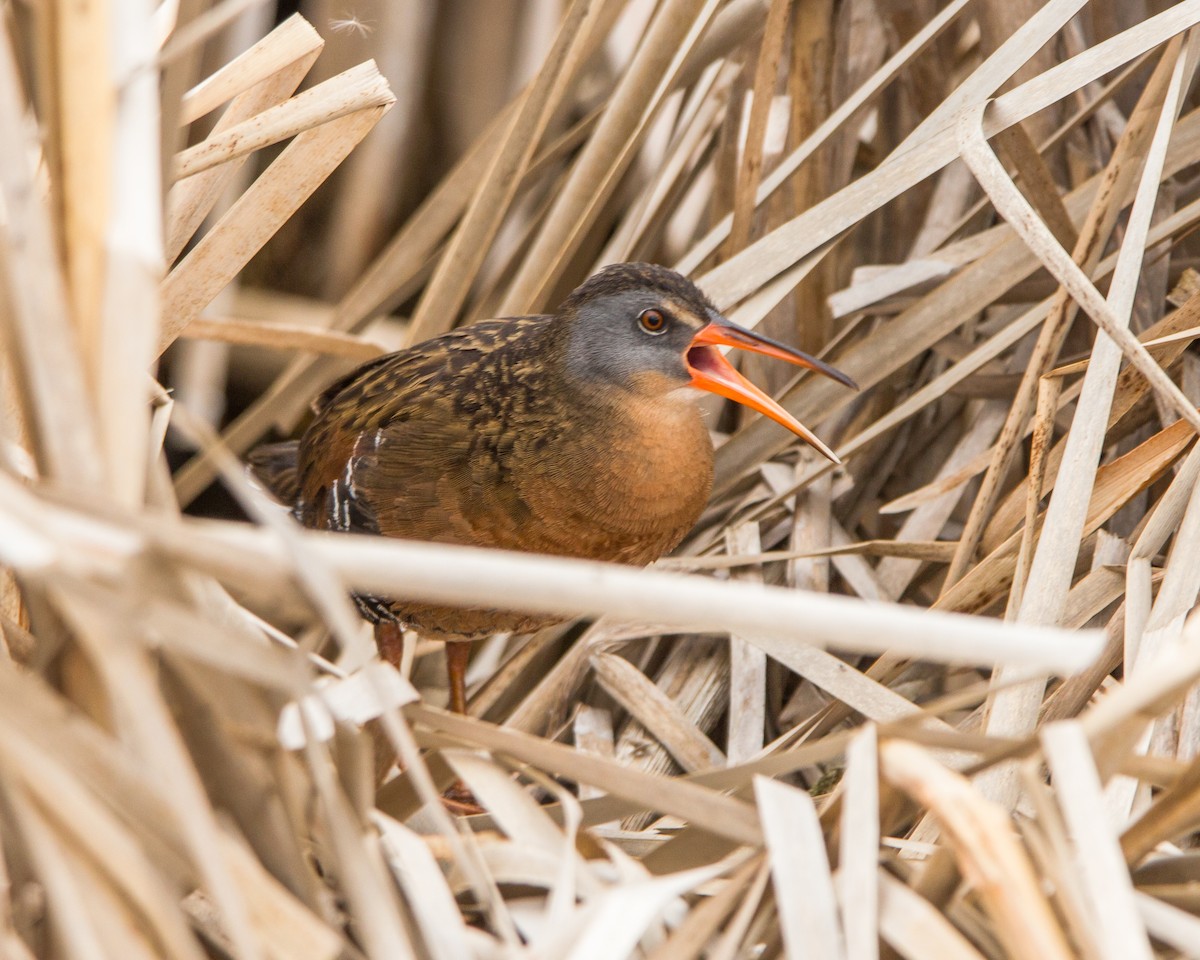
648,329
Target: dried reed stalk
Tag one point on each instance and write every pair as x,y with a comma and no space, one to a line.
984,212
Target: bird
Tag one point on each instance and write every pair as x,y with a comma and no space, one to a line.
574,434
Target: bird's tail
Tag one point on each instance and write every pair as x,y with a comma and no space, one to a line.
274,465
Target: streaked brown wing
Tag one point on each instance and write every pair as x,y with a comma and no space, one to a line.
402,448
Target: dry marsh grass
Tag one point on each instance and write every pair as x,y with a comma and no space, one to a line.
941,701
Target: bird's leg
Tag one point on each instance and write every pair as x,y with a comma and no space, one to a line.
458,653
458,798
389,638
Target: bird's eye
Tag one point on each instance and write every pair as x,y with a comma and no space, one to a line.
652,321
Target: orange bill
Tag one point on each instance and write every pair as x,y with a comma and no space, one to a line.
711,371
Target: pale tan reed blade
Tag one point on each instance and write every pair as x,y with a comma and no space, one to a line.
786,245
265,58
1109,889
416,869
359,88
858,878
985,848
289,50
464,254
672,32
37,328
1170,924
281,336
299,170
918,328
121,347
1117,181
142,719
842,115
786,738
1015,712
725,816
1141,607
804,891
96,832
750,171
747,664
1056,259
914,927
770,616
657,712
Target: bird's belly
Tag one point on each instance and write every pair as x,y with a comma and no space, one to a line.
587,514
626,496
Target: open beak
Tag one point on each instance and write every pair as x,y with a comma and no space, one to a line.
711,371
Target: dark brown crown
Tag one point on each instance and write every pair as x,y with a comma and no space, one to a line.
619,277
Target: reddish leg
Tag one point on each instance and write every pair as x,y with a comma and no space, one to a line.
458,799
458,653
389,638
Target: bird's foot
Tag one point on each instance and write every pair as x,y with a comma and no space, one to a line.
460,801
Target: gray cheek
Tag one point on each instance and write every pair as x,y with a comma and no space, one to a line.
673,364
610,347
645,355
672,355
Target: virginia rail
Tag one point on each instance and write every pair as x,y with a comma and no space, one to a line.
573,434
